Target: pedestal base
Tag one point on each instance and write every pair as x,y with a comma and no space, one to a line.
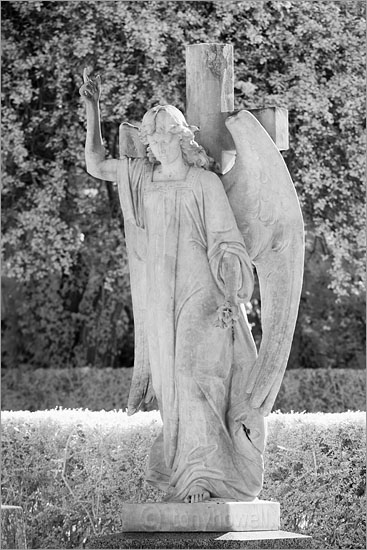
209,516
214,523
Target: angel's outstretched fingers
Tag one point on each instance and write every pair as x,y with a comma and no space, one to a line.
86,75
91,89
85,91
97,83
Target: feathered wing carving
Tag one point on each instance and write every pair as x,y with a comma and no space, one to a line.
141,390
267,211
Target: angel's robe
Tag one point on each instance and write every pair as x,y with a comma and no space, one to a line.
177,233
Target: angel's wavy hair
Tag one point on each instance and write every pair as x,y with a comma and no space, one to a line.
193,153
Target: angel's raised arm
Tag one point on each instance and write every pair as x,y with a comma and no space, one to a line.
95,154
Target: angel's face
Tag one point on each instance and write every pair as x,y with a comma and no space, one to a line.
164,145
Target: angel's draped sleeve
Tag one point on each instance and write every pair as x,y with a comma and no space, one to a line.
224,237
130,181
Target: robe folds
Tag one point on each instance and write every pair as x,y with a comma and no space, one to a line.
177,233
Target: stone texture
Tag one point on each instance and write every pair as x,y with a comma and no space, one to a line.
267,211
210,96
213,515
192,241
176,262
129,143
261,535
275,122
210,99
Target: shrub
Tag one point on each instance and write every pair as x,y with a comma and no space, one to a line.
315,467
85,387
310,390
322,390
71,469
66,290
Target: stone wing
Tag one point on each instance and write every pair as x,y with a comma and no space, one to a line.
267,211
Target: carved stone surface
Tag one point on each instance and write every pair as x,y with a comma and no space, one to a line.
264,201
204,516
209,76
275,122
263,535
193,238
129,143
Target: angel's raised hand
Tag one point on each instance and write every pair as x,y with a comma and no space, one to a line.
91,89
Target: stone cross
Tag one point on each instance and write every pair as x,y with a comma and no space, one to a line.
210,100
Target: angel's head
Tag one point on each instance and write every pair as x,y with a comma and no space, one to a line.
167,134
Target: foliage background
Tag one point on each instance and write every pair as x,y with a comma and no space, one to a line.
66,297
302,390
71,470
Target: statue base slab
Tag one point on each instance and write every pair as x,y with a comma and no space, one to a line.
212,515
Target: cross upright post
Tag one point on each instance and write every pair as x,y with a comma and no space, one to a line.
210,96
210,100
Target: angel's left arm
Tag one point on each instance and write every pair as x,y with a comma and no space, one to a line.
227,254
232,277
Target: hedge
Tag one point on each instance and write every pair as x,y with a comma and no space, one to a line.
310,390
84,387
70,470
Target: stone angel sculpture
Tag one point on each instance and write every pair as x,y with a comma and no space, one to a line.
192,240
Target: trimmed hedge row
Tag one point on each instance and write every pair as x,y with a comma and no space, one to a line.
322,390
84,387
71,470
310,390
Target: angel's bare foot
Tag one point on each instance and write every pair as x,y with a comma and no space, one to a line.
197,494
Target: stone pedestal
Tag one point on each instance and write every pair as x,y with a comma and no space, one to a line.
212,515
219,524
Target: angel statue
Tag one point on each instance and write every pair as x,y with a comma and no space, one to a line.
193,240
